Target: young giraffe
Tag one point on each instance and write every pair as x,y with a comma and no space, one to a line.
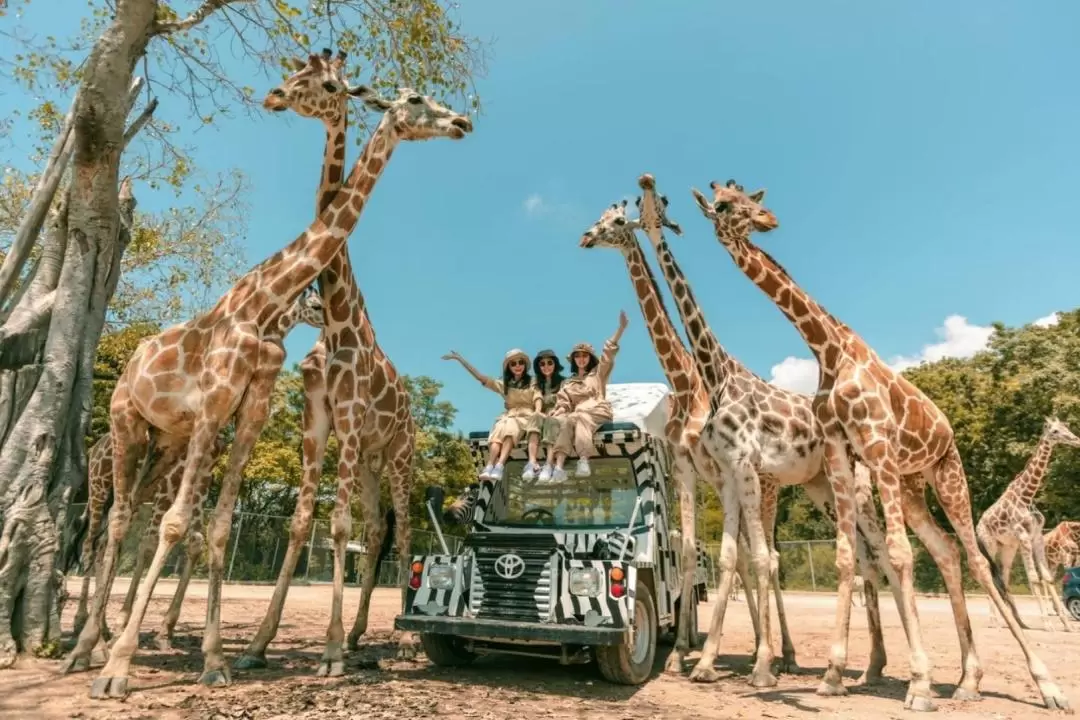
870,412
221,365
159,488
757,431
1011,524
1062,546
354,389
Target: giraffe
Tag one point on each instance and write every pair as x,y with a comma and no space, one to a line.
190,379
869,412
159,487
350,386
1062,546
1013,524
788,432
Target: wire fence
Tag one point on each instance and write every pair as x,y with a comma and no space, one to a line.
257,546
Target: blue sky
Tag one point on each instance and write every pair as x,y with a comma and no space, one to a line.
922,160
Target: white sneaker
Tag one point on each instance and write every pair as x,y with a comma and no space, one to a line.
530,471
558,475
582,469
485,474
545,474
496,473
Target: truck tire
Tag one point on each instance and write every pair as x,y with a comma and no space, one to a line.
632,665
446,650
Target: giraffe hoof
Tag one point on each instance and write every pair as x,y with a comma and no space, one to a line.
919,703
353,643
406,652
105,688
214,678
964,695
704,675
1056,700
762,680
76,661
674,663
331,668
829,690
250,662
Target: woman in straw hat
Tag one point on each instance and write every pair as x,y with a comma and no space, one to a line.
581,405
543,429
521,400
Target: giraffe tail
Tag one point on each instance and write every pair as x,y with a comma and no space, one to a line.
999,580
387,541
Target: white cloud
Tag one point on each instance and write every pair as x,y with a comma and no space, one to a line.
796,374
1047,321
960,339
534,204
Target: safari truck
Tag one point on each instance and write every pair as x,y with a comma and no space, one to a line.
586,569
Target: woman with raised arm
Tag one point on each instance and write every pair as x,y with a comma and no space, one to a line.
544,429
581,405
521,400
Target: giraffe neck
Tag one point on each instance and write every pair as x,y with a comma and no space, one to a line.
268,289
817,327
710,358
333,167
670,351
1026,485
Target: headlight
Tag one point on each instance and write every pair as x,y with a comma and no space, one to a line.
441,577
584,581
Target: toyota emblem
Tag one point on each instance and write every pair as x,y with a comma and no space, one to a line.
509,566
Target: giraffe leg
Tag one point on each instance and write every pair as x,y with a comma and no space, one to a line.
316,422
952,492
704,671
946,556
95,511
742,575
1047,580
685,480
129,442
195,544
769,496
841,479
399,469
250,419
145,551
871,582
1034,581
113,679
1005,553
367,486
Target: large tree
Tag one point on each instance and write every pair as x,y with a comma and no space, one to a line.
53,309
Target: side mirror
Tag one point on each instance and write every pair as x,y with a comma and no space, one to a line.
435,496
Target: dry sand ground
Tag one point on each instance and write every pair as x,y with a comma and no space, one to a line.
375,686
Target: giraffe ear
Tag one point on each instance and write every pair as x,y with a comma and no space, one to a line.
369,97
703,204
757,196
296,64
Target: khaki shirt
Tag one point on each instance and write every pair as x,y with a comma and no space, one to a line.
548,398
518,402
588,393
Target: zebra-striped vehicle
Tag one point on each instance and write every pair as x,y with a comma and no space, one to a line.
579,570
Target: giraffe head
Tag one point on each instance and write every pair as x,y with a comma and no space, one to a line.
1059,433
613,229
309,307
317,88
734,212
418,117
652,208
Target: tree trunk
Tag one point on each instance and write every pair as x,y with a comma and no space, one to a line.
44,372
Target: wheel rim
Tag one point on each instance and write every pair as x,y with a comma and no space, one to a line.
1074,606
639,650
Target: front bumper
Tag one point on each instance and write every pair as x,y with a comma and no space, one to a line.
511,630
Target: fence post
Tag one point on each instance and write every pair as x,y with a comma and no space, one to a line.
236,541
810,560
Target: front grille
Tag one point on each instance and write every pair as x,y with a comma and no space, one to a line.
527,597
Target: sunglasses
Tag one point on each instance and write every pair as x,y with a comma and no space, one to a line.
547,363
517,363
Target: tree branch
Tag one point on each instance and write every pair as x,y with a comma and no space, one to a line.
208,8
140,121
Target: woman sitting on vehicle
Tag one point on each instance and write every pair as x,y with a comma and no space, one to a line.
544,429
581,405
521,401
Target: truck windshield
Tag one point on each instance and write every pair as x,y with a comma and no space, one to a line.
604,498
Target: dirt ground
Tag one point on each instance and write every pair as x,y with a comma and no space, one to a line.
376,686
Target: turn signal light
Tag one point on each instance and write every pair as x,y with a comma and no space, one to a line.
418,567
616,575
